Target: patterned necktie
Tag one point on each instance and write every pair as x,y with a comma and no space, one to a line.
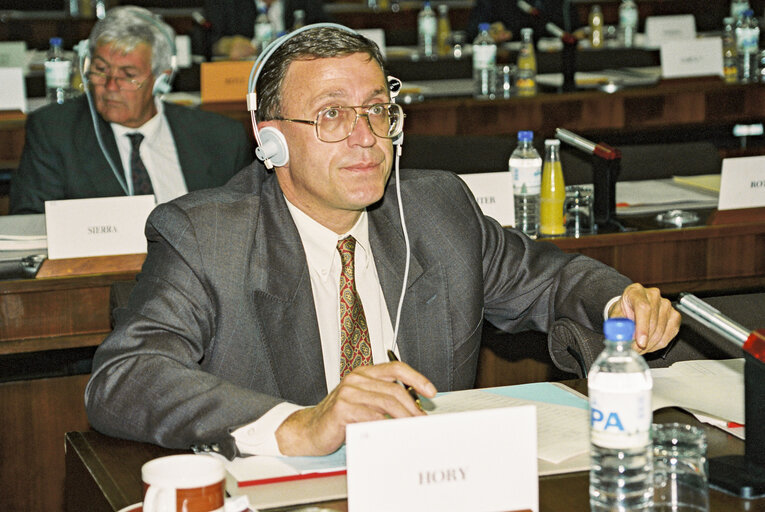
355,349
140,176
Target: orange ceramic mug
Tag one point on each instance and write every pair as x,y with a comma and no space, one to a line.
183,483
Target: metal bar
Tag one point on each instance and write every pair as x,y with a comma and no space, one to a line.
699,310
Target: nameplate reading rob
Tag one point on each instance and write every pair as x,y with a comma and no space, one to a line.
742,183
660,29
224,81
692,57
104,226
476,461
494,193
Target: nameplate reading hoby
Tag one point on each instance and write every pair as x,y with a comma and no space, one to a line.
660,29
742,183
692,57
494,193
103,226
475,461
224,81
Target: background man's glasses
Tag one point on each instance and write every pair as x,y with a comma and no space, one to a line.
334,124
122,83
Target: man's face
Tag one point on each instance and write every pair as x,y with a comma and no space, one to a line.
333,182
128,108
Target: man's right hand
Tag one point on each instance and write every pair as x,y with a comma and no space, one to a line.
368,393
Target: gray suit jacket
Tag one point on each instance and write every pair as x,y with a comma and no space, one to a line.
221,325
62,158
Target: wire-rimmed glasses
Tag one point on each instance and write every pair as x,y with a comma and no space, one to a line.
335,124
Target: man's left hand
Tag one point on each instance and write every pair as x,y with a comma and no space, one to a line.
656,321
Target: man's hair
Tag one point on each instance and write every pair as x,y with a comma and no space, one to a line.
128,26
318,43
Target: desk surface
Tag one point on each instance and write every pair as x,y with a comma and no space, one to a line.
104,474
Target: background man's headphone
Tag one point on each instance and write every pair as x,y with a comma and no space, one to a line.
272,147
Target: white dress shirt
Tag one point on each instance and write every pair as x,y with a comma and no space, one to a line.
324,266
158,153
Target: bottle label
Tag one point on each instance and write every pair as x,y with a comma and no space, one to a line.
526,172
484,56
628,17
57,73
620,410
427,26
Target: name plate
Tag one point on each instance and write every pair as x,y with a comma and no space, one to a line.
13,54
494,193
692,57
479,461
660,29
13,93
104,226
742,183
224,81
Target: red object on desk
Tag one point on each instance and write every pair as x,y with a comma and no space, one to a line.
755,344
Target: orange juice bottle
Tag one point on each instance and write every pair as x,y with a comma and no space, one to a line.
552,221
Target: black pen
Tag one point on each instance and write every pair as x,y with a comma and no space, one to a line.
392,357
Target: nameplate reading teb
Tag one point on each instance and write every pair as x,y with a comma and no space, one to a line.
494,193
477,460
742,183
103,226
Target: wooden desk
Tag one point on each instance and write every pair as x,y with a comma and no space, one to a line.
104,474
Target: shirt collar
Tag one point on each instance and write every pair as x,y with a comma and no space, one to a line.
149,129
320,242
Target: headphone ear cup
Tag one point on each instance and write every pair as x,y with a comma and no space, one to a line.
273,146
162,84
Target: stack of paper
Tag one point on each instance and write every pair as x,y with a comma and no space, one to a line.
22,235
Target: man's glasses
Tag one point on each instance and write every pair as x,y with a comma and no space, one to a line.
123,83
334,124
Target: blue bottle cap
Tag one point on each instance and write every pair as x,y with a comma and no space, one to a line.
619,329
748,13
525,136
55,41
483,27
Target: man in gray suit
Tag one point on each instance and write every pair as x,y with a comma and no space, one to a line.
182,149
232,339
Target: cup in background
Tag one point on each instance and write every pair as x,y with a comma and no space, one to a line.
680,468
190,483
578,208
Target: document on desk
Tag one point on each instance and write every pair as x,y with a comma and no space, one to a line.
711,390
23,232
653,196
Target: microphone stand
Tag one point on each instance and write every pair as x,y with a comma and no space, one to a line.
743,475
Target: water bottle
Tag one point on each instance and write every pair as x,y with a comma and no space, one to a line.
552,194
484,64
730,56
298,16
427,27
526,83
264,30
628,22
737,8
526,166
747,44
58,73
619,383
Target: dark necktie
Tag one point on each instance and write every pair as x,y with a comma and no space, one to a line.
140,176
355,348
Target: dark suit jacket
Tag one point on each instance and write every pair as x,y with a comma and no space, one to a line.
560,12
237,17
221,325
62,159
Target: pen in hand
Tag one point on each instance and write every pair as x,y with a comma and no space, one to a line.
392,357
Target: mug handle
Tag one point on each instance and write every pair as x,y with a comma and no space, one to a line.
159,499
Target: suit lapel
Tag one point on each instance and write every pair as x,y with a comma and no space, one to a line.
284,301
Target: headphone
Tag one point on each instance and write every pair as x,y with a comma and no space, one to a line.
272,147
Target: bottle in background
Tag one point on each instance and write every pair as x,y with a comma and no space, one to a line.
552,194
427,27
298,16
628,22
484,64
747,44
619,384
526,84
730,56
264,30
100,7
58,73
596,27
526,166
444,30
737,8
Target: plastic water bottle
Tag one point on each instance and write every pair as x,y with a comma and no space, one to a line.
298,16
58,73
526,83
484,64
737,8
427,28
526,166
619,383
552,195
747,45
628,22
264,30
730,56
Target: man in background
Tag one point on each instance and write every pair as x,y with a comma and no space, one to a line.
148,146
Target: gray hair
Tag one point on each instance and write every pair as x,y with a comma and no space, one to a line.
318,43
128,26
